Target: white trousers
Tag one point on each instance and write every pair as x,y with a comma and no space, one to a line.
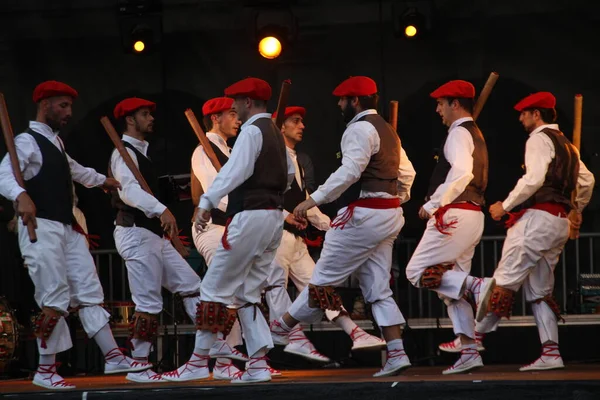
237,276
206,243
152,262
292,260
363,246
457,248
530,253
64,275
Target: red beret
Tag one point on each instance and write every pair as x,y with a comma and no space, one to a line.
250,87
537,100
289,111
127,106
356,86
461,89
51,89
217,105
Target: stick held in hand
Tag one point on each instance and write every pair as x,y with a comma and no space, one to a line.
282,103
577,119
393,117
9,139
485,93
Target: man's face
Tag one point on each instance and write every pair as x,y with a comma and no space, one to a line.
57,111
143,120
528,120
445,110
241,106
348,111
229,123
293,128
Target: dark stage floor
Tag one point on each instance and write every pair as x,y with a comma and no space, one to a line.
578,382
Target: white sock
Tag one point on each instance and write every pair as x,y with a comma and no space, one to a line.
141,349
199,359
346,323
105,340
297,333
284,325
258,360
47,359
396,344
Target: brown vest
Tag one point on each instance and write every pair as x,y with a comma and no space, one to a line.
381,174
265,188
475,190
561,177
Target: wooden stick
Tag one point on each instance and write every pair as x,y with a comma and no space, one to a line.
578,110
393,117
112,133
9,139
282,103
485,93
191,117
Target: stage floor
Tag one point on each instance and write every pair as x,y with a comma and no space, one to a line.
421,382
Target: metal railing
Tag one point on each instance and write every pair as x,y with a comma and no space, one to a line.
578,257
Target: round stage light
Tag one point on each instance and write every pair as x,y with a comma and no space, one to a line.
139,46
269,47
410,31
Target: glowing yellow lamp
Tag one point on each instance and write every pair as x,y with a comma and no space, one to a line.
139,46
410,31
269,47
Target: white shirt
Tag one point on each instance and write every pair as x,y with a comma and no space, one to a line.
30,162
240,166
458,150
203,168
132,193
314,215
539,152
359,142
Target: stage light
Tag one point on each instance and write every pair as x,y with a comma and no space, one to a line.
139,46
410,24
269,47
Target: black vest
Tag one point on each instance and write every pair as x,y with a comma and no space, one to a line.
264,189
292,198
475,190
128,216
52,188
381,174
218,217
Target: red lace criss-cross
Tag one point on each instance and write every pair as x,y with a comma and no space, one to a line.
226,367
297,336
465,355
251,366
550,350
51,369
177,374
114,353
357,333
395,353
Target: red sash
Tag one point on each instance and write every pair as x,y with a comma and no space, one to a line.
443,227
556,209
375,203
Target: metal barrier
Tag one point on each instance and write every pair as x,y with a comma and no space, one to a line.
419,306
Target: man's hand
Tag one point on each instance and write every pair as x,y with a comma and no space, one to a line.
202,218
497,211
169,224
11,226
301,209
575,218
300,223
111,184
26,209
423,214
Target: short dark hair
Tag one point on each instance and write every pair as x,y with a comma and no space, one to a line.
122,123
208,124
465,102
368,102
259,103
548,115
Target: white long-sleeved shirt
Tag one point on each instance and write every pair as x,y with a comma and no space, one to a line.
240,166
539,152
314,215
132,193
31,161
360,142
203,168
458,150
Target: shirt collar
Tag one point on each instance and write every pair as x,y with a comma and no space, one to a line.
542,127
291,151
43,129
215,137
362,114
254,118
140,145
459,121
